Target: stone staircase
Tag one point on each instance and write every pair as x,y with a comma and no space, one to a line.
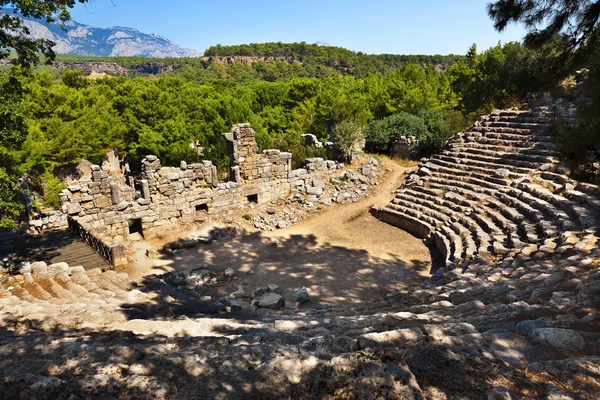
514,314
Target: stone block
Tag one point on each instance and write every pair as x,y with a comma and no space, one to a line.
315,191
73,208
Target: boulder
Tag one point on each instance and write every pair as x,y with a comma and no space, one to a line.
527,326
559,338
58,268
272,301
301,296
229,272
281,224
314,190
272,288
238,294
260,291
38,267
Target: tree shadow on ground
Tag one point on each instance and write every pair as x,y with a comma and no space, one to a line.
334,275
77,363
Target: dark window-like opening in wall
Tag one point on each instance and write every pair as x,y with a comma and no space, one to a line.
135,226
202,207
253,198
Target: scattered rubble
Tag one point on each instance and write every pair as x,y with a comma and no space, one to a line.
341,185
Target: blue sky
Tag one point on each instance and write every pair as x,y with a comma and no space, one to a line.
375,26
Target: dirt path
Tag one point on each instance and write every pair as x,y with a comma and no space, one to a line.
342,254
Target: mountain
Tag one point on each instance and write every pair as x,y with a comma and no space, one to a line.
87,40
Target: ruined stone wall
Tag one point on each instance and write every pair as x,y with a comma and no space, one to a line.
247,164
107,205
404,146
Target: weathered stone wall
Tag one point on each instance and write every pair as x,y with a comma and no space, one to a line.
247,164
403,146
107,205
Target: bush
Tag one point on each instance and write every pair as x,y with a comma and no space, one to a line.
429,127
438,132
381,133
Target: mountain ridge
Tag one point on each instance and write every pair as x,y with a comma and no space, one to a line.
115,41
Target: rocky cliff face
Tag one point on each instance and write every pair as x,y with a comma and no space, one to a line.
245,60
114,41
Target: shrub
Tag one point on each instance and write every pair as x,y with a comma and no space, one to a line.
429,127
381,133
438,132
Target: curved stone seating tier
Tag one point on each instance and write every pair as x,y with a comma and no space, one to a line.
495,189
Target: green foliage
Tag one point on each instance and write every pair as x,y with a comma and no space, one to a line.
502,76
381,133
13,133
438,132
10,203
346,134
52,187
14,34
74,79
340,59
576,20
428,126
580,145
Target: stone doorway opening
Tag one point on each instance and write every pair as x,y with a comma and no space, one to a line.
253,198
201,207
135,226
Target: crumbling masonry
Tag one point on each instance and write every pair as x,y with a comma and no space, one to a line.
107,205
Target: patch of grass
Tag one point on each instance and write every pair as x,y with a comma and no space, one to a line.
247,216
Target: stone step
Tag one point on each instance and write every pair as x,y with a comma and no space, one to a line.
528,160
424,193
486,129
415,211
507,142
473,185
516,125
480,166
408,196
442,170
472,171
404,221
498,161
515,138
520,151
581,214
523,118
433,217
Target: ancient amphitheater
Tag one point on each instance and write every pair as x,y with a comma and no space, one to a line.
512,315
